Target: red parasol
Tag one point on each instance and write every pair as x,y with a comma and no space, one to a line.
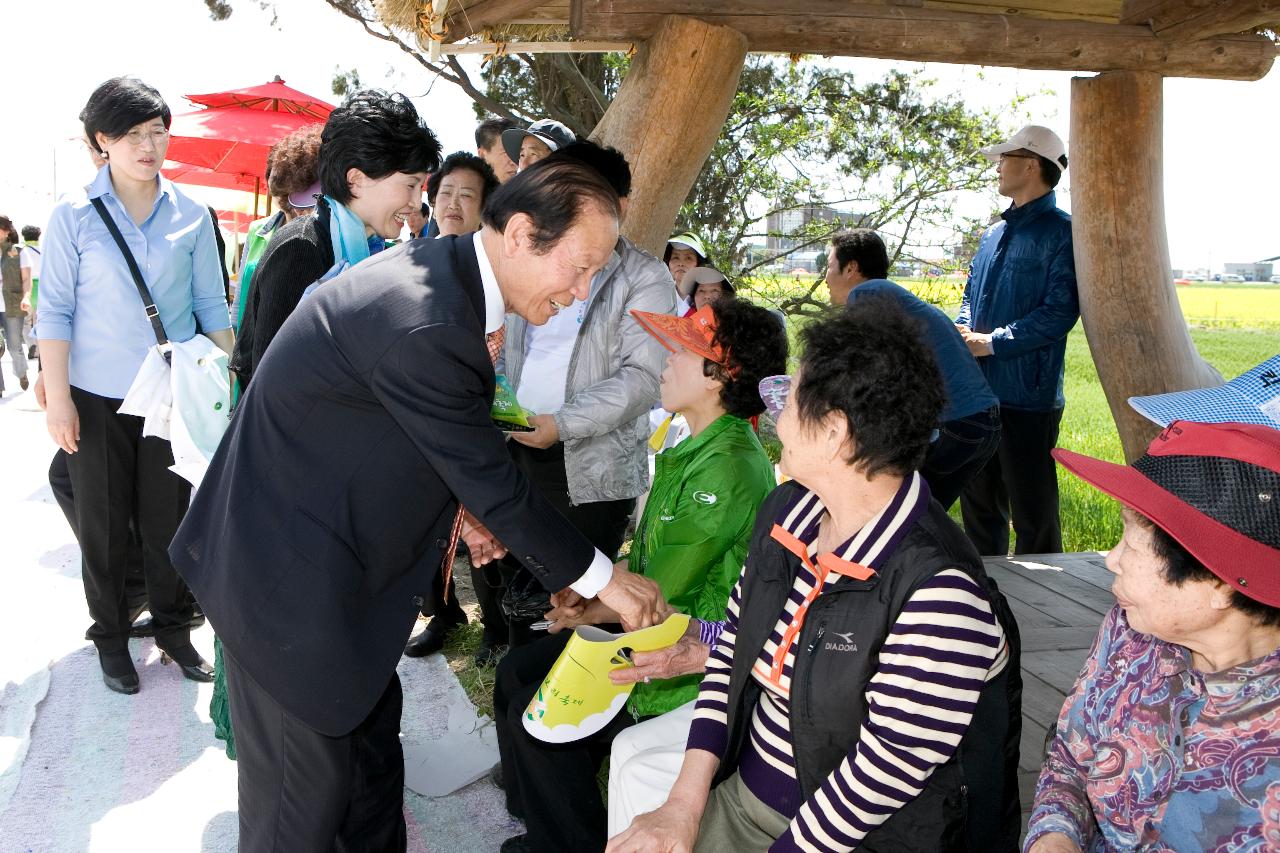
269,97
199,176
233,134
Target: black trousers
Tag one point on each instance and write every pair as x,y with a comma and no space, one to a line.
1021,481
135,581
117,475
551,787
604,523
300,790
963,447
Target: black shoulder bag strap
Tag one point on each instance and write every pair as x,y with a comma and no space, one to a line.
149,304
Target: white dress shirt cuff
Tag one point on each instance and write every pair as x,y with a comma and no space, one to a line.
595,578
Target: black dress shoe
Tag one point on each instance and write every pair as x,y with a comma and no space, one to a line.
489,652
188,659
431,640
118,672
147,628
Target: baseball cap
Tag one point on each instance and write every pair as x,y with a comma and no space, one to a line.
550,131
1037,140
1215,488
307,197
688,240
1253,397
696,332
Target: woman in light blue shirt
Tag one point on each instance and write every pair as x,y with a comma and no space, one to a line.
94,336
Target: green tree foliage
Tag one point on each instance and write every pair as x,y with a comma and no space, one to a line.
891,154
572,88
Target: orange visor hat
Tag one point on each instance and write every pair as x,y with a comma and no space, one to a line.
695,333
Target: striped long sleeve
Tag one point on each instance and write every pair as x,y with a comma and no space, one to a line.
710,714
944,646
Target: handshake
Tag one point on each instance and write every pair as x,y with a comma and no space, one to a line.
629,598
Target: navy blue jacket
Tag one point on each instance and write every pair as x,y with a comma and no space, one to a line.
966,387
1022,289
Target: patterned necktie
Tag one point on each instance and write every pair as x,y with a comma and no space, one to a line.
492,340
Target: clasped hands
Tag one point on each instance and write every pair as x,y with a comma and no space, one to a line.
979,343
629,598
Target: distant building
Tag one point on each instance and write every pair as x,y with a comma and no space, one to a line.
1249,272
782,224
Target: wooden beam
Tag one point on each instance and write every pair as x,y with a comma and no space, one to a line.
1132,318
837,27
472,19
486,47
1191,20
688,69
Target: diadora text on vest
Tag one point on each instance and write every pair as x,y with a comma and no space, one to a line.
848,645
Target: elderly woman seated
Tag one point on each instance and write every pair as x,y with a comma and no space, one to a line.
691,539
864,691
1170,739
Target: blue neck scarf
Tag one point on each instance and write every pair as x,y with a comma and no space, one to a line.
347,233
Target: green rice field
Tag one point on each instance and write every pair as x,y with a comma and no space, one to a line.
1234,327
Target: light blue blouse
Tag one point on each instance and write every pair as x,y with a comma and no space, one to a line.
87,296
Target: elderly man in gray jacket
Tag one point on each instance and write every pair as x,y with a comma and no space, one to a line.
591,374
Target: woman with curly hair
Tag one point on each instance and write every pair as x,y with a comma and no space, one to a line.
691,539
863,690
294,186
375,153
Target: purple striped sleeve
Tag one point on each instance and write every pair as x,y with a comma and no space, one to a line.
709,632
942,649
709,730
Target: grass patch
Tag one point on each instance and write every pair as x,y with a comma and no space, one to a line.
459,650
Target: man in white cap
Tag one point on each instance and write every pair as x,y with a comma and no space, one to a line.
526,146
1019,304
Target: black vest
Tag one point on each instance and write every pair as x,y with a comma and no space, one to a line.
969,803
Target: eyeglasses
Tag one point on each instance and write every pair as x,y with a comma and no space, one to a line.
1004,157
158,137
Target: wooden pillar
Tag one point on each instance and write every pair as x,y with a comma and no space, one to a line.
667,115
1134,324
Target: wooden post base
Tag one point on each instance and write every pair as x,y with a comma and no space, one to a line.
1132,318
667,115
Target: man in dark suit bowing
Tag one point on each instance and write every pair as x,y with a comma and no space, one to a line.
325,515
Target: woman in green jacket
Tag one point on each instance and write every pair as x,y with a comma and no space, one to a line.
692,539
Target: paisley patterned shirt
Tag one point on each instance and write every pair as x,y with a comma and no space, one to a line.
1153,755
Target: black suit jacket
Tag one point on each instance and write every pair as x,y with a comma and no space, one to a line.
320,525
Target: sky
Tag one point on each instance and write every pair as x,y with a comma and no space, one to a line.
1219,147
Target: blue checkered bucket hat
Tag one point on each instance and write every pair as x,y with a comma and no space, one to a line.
1251,398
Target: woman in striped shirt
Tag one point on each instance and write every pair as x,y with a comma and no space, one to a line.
863,690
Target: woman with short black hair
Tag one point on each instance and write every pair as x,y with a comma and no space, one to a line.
375,154
457,192
863,689
94,335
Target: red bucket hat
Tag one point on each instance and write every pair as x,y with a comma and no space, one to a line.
696,332
1215,488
